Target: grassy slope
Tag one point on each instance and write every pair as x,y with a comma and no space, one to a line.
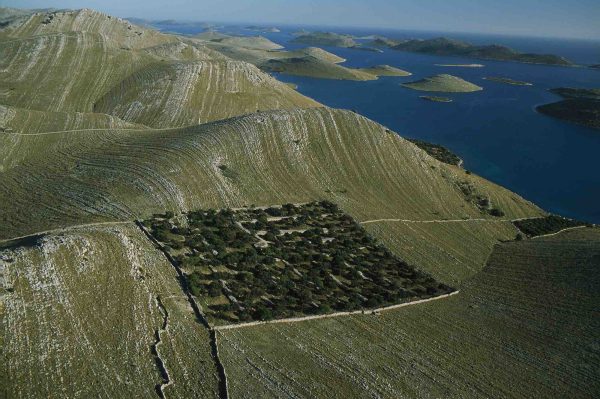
278,157
188,93
82,316
451,252
524,327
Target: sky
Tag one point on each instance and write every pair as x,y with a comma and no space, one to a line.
550,18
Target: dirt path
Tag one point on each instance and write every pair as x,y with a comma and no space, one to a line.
560,231
434,221
331,315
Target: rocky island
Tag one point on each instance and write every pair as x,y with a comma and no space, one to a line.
443,83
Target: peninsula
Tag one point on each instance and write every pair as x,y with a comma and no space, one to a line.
581,106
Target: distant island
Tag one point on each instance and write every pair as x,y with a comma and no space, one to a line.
380,41
443,83
581,106
266,29
437,99
325,39
507,81
311,61
445,46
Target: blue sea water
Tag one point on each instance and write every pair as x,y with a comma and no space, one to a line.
496,131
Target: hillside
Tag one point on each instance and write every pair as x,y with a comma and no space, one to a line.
188,93
110,292
278,157
523,327
119,146
443,83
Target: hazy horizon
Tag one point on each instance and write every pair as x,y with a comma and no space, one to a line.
551,18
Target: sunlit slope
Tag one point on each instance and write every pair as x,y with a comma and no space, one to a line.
64,71
189,93
450,251
184,50
81,314
526,327
271,158
118,32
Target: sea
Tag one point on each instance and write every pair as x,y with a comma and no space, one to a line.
497,131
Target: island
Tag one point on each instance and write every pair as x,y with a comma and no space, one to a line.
451,47
580,106
325,39
381,41
366,48
461,65
250,42
437,99
385,70
507,81
311,61
443,83
264,29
